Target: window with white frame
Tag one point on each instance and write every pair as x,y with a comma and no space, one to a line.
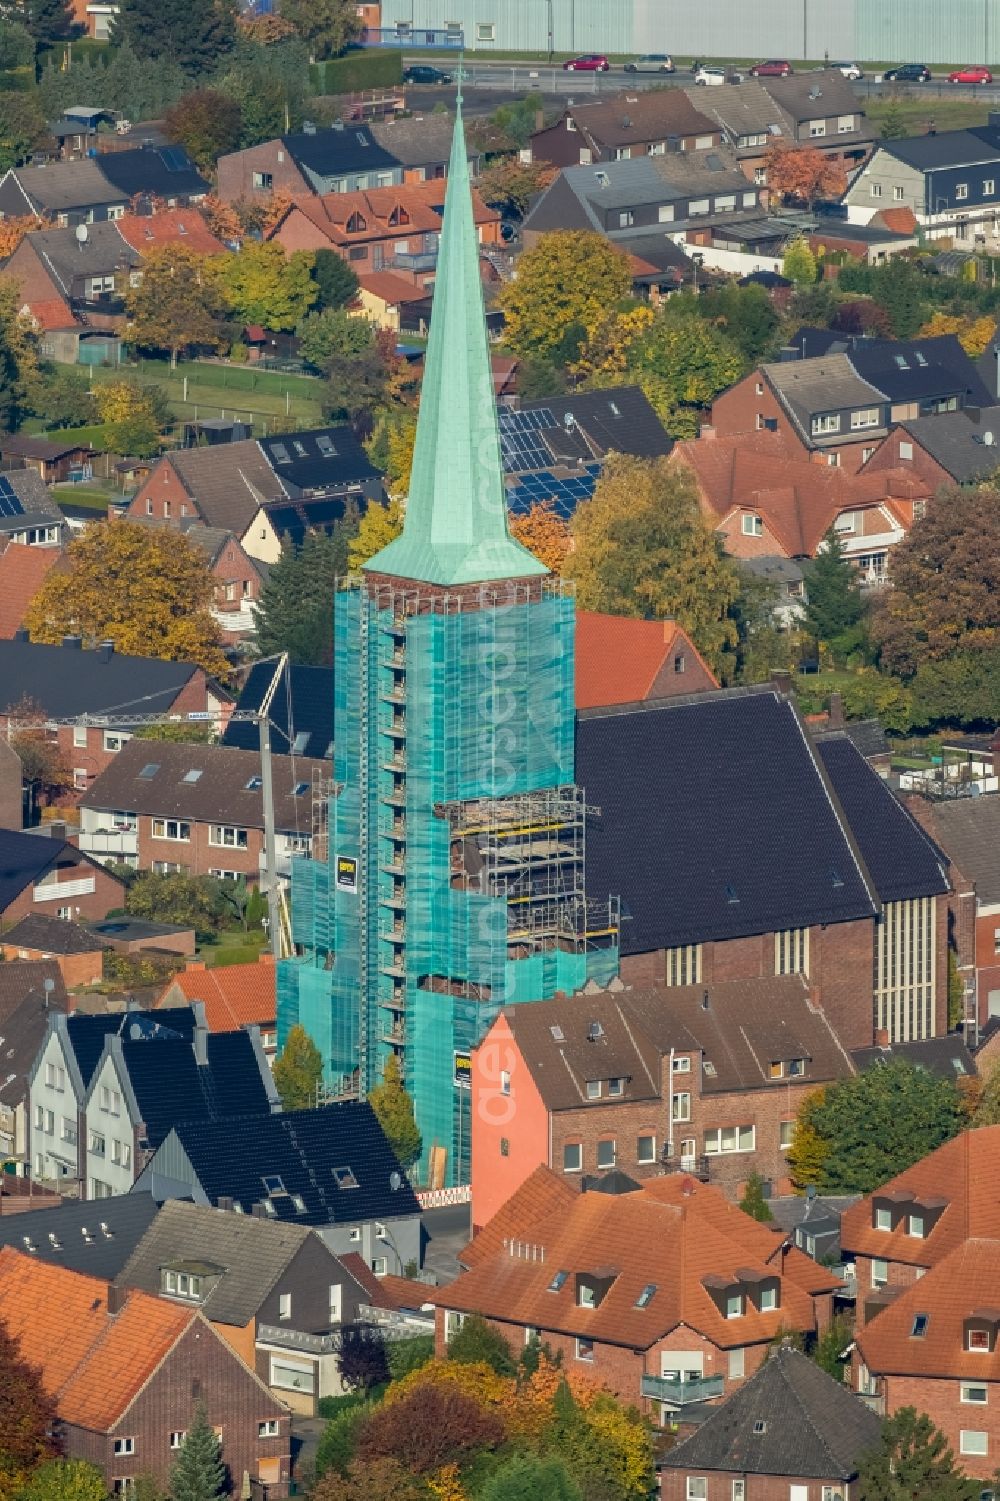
97,1144
380,1266
585,1349
681,1065
725,1139
915,1226
734,1306
111,1100
905,962
829,422
883,1219
973,1441
486,31
572,1156
817,127
172,828
228,837
697,1488
505,1081
615,1087
880,1272
177,1438
55,1076
80,735
284,1305
665,213
786,1135
845,124
961,193
973,1393
768,1299
683,965
645,1149
292,1375
113,741
865,417
606,1153
124,1445
268,1429
121,1153
737,1364
753,526
595,1089
181,1284
989,187
791,952
876,189
79,777
680,1109
699,206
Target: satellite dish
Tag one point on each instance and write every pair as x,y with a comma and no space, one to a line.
82,233
988,439
395,1181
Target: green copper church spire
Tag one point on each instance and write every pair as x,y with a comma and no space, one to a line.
455,530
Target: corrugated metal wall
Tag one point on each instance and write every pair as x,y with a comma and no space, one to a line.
931,31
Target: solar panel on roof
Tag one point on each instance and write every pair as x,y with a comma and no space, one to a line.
9,503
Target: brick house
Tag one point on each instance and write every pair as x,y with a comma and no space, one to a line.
766,499
391,228
78,954
238,578
64,683
953,448
197,808
47,877
233,995
664,1293
23,570
630,125
701,1079
128,1372
934,1347
792,1433
620,660
742,849
914,1221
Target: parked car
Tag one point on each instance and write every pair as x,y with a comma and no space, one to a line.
774,68
971,75
908,73
710,76
424,73
651,62
587,62
849,70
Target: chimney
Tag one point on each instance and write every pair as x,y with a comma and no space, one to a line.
195,964
258,1211
835,712
996,356
199,1041
72,643
707,431
116,1298
787,353
105,650
21,634
266,957
539,119
881,1037
225,1203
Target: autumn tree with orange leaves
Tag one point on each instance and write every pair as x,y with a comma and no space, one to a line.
802,172
543,532
13,231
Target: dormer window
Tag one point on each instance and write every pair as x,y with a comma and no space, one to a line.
616,1086
585,1296
595,1089
398,216
768,1299
734,1306
356,224
977,1339
916,1226
178,1284
883,1219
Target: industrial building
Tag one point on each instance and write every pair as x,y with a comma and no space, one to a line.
863,30
447,876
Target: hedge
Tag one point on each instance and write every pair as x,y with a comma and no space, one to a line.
357,71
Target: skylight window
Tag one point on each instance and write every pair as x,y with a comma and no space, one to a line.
709,1068
273,1183
325,446
920,1322
836,879
919,358
298,1204
344,1177
300,742
149,771
646,1296
300,789
732,896
193,775
558,1281
254,784
558,1034
901,362
281,453
300,449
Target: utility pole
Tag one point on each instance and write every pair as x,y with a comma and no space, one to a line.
267,790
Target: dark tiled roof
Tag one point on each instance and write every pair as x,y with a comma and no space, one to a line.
87,1034
22,979
969,833
62,186
26,857
946,148
34,496
320,461
67,257
619,421
656,115
170,1086
947,1057
822,384
101,1252
329,153
808,95
815,1426
221,793
167,171
715,821
52,934
957,441
901,859
931,367
65,681
420,141
302,706
229,482
303,1150
25,1008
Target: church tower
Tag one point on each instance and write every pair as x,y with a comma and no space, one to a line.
450,881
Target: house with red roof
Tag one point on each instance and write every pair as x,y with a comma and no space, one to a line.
620,660
23,570
234,996
172,226
663,1293
129,1371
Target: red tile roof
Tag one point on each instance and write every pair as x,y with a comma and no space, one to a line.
421,204
174,226
93,1363
670,1234
957,1287
386,1292
50,313
618,658
235,995
963,1172
391,288
22,573
901,221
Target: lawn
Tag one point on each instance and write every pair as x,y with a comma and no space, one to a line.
233,946
916,110
233,390
84,495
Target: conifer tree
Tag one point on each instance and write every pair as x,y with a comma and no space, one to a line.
198,1473
394,1109
834,595
298,1072
753,1201
913,1463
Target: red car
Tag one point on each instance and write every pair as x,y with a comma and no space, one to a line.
775,68
589,62
971,75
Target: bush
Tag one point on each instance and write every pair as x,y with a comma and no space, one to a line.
356,72
339,1442
406,1355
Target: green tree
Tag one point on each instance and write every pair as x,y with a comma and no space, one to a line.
828,1351
47,21
530,1477
335,278
298,1071
682,363
325,25
198,1473
900,288
194,33
264,285
188,901
394,1109
355,383
564,287
27,1416
642,548
138,91
892,126
208,123
876,1124
410,1354
913,1462
834,605
477,1342
22,126
338,1443
178,304
65,1480
746,314
17,46
799,263
761,646
296,609
753,1201
333,332
987,1107
64,398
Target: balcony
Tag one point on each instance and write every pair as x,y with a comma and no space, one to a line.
696,1167
110,844
874,1398
681,1393
413,260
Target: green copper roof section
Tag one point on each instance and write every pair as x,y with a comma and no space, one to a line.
455,530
